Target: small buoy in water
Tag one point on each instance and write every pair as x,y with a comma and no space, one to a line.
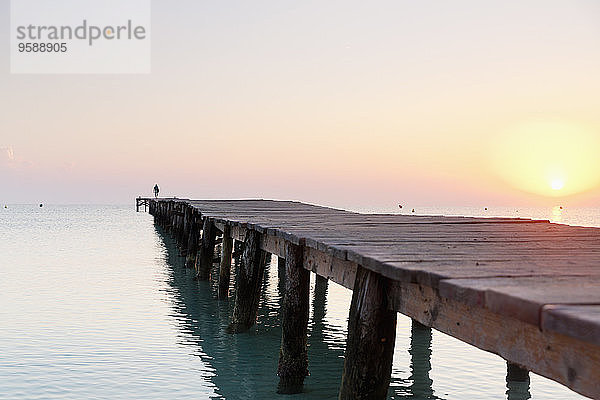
41,205
413,210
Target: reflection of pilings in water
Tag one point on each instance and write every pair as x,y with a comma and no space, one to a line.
172,256
329,359
317,342
420,365
233,364
517,382
269,312
190,302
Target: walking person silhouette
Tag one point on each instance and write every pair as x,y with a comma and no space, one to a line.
156,190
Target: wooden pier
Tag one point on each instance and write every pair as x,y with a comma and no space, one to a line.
526,290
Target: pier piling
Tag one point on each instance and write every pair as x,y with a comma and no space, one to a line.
187,220
193,239
370,341
207,250
516,373
248,283
225,266
293,355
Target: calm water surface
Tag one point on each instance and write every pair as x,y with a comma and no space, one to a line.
95,303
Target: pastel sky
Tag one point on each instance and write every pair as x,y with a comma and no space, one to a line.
345,103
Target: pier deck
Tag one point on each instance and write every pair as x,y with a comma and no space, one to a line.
526,290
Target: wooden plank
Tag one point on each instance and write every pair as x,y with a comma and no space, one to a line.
273,244
522,298
577,321
341,272
431,271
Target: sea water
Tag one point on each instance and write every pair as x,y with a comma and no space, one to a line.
95,303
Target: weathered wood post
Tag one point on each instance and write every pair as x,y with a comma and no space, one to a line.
171,217
187,219
193,239
371,339
320,298
293,355
168,216
237,249
161,214
180,228
176,223
225,267
207,249
248,283
516,373
165,215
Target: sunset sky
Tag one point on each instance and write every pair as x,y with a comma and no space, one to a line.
342,103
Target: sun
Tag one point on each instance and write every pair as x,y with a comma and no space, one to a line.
548,158
557,184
